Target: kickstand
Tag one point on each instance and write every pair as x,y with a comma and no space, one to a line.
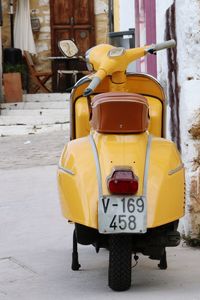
75,262
163,261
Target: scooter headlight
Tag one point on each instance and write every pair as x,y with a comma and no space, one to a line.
115,52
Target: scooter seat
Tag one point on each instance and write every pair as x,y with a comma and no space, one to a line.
119,112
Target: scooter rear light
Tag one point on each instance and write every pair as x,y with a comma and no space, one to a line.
123,182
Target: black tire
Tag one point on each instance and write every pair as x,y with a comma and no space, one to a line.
120,259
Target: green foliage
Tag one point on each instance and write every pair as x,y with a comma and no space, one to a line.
19,68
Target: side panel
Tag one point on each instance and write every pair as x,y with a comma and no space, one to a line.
78,185
166,191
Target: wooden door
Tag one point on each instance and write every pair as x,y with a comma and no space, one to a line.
71,20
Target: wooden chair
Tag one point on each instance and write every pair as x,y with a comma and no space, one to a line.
39,78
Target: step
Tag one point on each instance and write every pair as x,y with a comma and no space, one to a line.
33,120
31,129
35,105
46,97
35,112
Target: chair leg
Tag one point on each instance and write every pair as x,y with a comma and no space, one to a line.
41,85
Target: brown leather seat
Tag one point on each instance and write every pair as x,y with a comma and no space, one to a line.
120,113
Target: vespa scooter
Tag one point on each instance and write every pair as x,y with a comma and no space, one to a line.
120,181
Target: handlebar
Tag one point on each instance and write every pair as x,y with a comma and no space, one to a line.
119,63
92,86
157,47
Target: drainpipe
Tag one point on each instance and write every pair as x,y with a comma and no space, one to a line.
11,12
110,15
1,69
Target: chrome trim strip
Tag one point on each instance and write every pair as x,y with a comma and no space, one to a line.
98,168
180,167
67,171
146,168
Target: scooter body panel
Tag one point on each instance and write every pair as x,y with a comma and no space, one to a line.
78,181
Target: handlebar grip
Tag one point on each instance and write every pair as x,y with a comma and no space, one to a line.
157,47
91,87
165,45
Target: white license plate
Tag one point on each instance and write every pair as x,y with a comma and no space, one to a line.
118,214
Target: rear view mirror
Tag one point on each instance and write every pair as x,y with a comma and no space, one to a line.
68,48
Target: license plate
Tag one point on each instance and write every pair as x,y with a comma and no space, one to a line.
118,214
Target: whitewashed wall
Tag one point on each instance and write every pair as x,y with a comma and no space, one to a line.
162,69
188,39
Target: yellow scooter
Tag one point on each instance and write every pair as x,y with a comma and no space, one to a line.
120,182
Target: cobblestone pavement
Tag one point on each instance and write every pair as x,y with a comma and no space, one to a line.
32,150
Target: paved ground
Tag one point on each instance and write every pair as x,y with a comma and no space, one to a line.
35,241
31,150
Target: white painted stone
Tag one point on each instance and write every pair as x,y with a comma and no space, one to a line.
41,19
36,105
44,36
100,7
33,120
35,112
31,129
46,97
47,19
43,2
42,47
46,12
45,29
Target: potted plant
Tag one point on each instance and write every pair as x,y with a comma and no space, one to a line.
12,82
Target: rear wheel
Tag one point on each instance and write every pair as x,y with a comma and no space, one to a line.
120,258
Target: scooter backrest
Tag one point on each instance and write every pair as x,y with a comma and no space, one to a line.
119,112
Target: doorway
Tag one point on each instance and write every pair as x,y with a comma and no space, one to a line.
71,20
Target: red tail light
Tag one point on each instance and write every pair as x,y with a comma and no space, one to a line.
123,182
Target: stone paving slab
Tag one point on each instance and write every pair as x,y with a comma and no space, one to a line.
32,150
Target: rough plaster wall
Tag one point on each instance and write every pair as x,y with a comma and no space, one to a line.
188,37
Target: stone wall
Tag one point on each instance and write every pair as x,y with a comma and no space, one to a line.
43,37
101,21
